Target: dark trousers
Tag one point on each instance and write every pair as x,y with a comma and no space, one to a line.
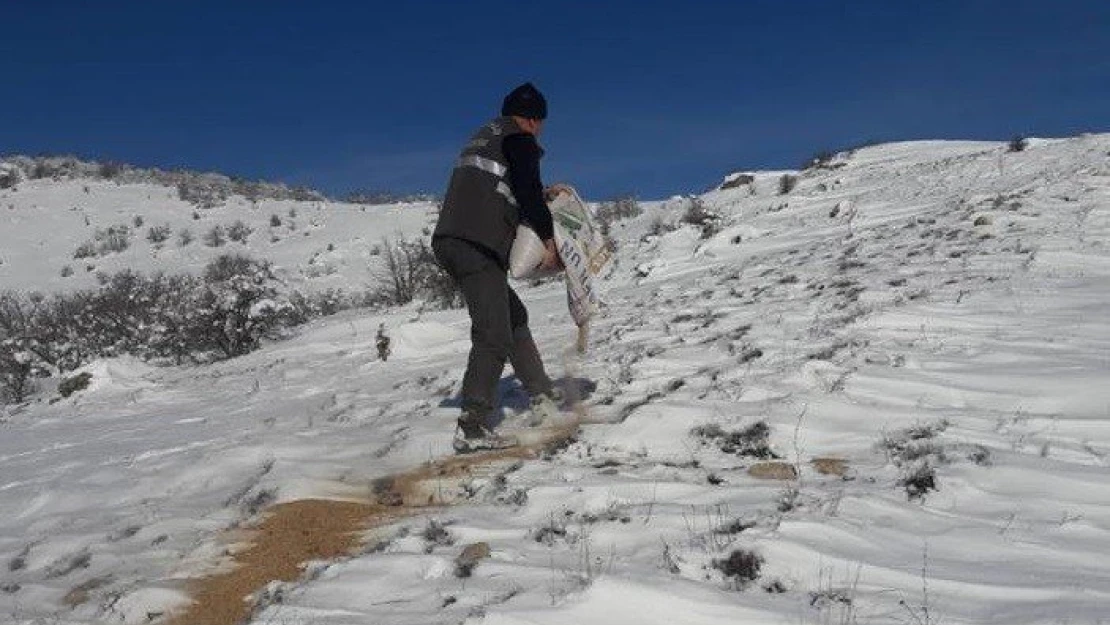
498,325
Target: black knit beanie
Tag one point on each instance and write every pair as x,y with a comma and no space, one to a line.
525,101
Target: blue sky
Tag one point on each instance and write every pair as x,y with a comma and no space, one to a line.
646,98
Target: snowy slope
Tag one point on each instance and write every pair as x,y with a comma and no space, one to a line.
930,314
314,246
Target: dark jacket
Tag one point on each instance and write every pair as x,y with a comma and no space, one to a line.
494,186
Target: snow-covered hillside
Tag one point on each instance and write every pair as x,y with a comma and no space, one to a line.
314,245
913,340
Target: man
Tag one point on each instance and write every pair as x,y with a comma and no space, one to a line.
494,187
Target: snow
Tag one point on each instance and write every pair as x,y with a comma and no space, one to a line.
318,246
841,332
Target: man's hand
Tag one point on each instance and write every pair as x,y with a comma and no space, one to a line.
551,258
554,190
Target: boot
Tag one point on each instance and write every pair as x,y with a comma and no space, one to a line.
545,410
472,434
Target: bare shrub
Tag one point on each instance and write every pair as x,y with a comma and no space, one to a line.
73,384
752,441
741,567
239,232
919,479
228,266
382,341
16,373
825,159
697,214
216,237
787,183
436,534
821,160
411,271
159,234
202,192
659,226
237,304
553,531
9,176
377,197
304,194
1017,144
110,170
622,207
114,239
737,180
304,307
917,453
226,313
85,250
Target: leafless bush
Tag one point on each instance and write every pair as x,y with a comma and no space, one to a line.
159,234
659,226
411,271
616,209
737,180
16,373
436,534
237,304
787,183
19,364
239,232
202,192
71,385
752,441
375,196
215,237
114,239
85,250
917,453
741,567
304,307
9,176
823,159
110,170
229,266
304,194
697,214
205,190
226,313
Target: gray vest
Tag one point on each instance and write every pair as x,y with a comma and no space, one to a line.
479,206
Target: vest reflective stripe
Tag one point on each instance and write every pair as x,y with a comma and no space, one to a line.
490,166
479,205
504,190
485,164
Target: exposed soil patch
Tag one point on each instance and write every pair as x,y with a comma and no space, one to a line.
297,532
831,466
773,471
291,534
